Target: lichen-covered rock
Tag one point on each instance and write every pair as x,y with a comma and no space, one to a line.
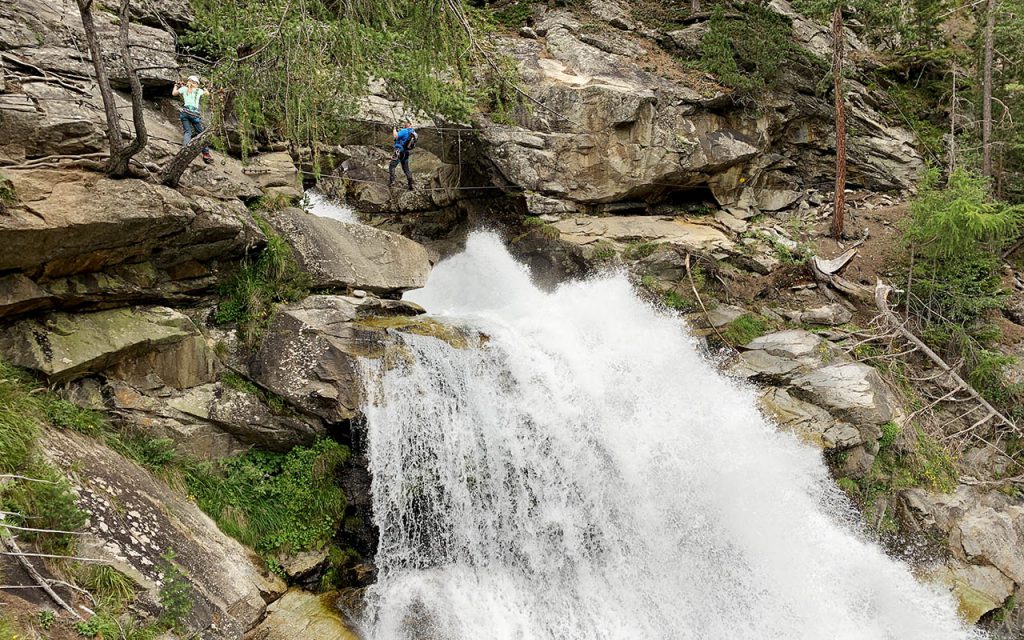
795,344
994,537
622,230
188,363
850,389
983,536
978,589
66,346
811,423
342,255
310,355
299,615
246,417
134,519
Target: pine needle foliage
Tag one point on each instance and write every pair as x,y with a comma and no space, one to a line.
959,219
954,238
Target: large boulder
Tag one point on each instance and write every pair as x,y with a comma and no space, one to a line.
246,416
135,519
275,173
299,615
622,230
810,423
852,390
343,255
83,239
48,34
66,346
983,534
311,352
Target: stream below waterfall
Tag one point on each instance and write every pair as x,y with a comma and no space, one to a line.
586,474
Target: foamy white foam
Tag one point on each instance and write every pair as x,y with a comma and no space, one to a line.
319,204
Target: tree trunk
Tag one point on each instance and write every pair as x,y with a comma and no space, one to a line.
694,6
986,90
96,52
119,160
120,153
838,45
172,171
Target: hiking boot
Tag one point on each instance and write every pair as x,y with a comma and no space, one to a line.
410,186
207,158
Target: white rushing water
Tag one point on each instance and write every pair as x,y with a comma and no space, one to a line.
586,475
319,204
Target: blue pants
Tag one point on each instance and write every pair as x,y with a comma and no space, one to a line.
191,124
400,157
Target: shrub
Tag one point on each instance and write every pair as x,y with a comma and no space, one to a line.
747,53
175,594
274,502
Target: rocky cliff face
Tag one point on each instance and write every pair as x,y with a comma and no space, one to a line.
108,289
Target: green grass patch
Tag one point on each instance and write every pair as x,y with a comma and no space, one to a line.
677,301
248,300
48,504
110,587
7,629
745,328
274,502
604,252
922,462
639,250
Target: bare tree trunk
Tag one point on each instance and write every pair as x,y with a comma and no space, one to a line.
952,126
96,52
694,6
120,153
838,45
176,166
986,90
118,165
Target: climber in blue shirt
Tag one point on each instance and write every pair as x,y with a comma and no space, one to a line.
405,141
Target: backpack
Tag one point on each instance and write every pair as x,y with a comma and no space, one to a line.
410,144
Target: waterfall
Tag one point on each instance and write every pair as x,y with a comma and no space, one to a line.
585,474
319,204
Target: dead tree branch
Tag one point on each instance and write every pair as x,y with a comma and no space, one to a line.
881,301
14,550
175,167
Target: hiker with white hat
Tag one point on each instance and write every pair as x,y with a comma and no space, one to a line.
191,118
